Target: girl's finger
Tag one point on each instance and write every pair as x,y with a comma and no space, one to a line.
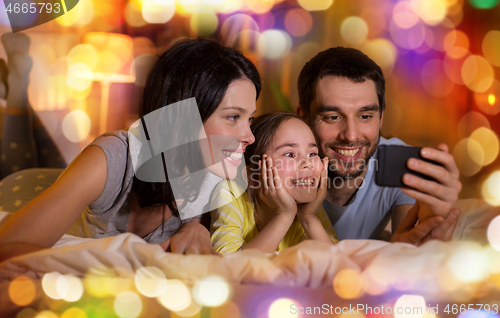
270,175
277,179
263,173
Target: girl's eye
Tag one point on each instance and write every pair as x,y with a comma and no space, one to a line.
289,154
233,118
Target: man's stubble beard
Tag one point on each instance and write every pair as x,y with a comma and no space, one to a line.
350,170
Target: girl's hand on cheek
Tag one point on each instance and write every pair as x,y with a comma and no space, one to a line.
272,190
310,209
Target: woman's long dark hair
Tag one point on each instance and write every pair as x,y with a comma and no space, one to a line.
264,128
199,68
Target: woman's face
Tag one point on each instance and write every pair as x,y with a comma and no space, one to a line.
228,130
294,153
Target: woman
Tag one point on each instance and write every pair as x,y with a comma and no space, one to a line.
101,180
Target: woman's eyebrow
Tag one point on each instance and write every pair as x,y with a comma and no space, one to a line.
241,110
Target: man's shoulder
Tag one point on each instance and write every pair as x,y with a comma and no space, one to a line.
391,141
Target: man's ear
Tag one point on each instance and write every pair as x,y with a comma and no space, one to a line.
381,119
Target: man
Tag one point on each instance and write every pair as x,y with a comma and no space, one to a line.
341,92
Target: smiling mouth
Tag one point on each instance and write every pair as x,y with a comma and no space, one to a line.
232,155
347,153
303,182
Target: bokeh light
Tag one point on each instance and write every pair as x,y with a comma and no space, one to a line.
491,47
413,306
192,311
493,233
22,291
204,23
49,285
26,313
488,141
82,53
74,312
230,6
150,281
133,14
383,52
477,73
46,314
446,280
76,126
211,291
458,39
491,189
348,284
235,24
227,310
371,285
434,79
470,122
354,30
158,12
315,5
104,284
259,6
177,296
409,38
445,36
432,12
452,63
80,15
280,308
461,153
74,288
298,22
127,305
484,4
403,15
274,44
468,264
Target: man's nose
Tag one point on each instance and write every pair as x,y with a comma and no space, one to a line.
349,131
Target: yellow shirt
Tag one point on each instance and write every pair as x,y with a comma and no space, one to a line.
233,224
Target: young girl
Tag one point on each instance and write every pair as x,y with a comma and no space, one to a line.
287,185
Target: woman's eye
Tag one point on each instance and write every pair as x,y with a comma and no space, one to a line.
233,118
251,119
313,154
289,154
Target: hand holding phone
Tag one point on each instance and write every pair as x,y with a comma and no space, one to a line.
391,165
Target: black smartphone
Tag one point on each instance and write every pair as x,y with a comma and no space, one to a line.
391,165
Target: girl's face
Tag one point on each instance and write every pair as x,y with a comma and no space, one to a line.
294,153
228,130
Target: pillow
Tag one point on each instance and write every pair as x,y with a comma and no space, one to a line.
20,187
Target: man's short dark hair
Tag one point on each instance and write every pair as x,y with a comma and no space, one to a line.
343,62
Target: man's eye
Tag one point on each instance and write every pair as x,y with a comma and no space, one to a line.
366,116
289,154
331,118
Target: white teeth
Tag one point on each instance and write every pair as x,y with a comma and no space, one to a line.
303,182
347,153
233,155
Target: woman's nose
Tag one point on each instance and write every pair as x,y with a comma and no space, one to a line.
246,137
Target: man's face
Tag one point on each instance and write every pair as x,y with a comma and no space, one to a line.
346,117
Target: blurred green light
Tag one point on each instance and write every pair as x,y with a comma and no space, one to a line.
484,4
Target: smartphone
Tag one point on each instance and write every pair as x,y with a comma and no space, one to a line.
391,165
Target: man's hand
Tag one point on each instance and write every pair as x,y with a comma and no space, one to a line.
191,238
439,197
434,228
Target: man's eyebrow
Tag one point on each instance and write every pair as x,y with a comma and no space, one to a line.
286,145
370,108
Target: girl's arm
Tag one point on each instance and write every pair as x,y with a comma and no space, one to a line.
307,212
44,220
